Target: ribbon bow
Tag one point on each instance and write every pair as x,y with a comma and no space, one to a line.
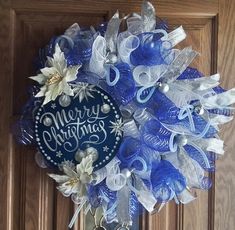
126,181
147,77
104,52
194,145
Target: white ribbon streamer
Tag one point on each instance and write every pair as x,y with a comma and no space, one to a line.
221,100
181,62
211,144
79,208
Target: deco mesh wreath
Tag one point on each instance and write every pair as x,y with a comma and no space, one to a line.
123,116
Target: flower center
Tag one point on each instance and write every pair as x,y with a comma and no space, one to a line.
72,181
54,78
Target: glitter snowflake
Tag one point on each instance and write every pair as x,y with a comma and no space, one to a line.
83,91
53,105
59,154
117,127
105,148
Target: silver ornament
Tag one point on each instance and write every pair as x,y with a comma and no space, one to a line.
126,172
79,155
105,108
199,110
64,100
39,158
111,58
47,121
164,87
93,152
181,140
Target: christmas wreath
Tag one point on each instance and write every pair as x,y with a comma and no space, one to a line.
123,117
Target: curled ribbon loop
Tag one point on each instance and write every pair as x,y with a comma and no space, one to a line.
143,170
68,36
140,92
126,44
172,145
122,183
116,77
147,78
104,52
61,40
98,56
186,111
98,62
115,180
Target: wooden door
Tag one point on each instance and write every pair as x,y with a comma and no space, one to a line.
28,198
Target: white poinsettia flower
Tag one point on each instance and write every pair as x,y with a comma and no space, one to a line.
74,181
68,183
54,79
85,167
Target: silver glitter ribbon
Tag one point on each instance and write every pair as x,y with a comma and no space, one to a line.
148,16
179,65
112,33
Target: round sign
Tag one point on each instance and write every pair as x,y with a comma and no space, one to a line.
70,128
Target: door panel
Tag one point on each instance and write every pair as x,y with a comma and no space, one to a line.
32,200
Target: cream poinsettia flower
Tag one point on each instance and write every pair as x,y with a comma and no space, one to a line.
55,78
74,181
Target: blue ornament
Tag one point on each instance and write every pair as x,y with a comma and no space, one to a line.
71,128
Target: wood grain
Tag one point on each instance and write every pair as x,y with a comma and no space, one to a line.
225,175
63,211
6,157
185,8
